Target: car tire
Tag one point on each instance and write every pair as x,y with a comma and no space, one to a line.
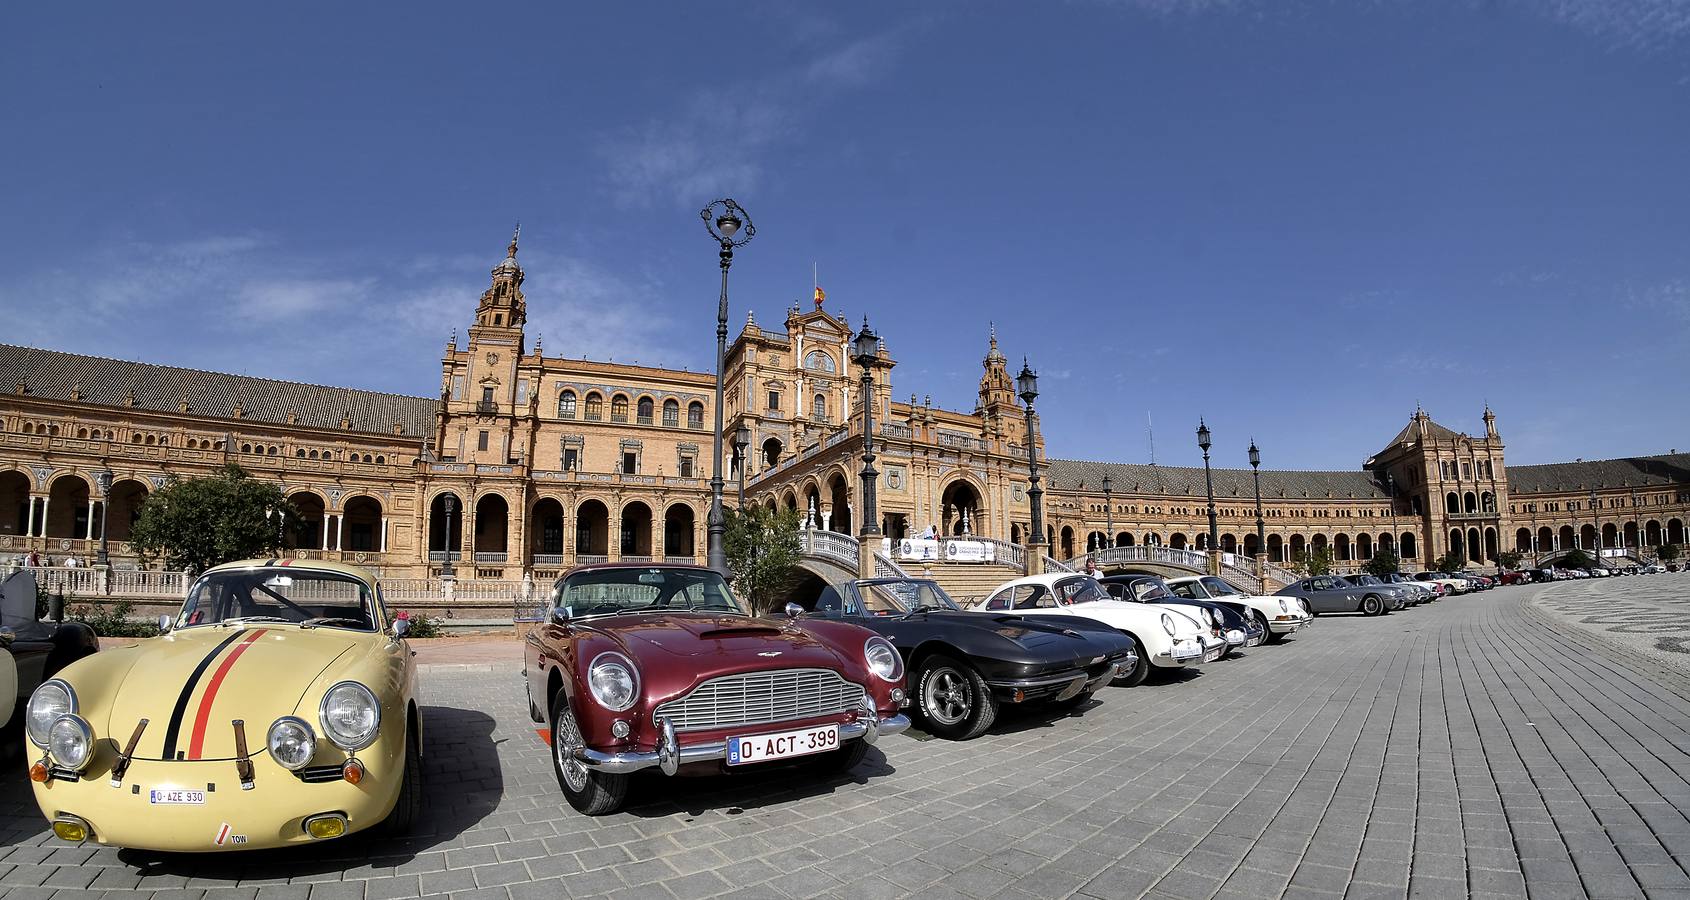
591,793
1371,605
1268,634
408,807
954,701
1142,670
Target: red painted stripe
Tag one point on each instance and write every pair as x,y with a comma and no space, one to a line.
197,741
222,834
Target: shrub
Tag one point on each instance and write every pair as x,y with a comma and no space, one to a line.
422,624
111,620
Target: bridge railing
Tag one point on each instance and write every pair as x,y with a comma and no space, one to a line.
839,548
1053,564
1194,559
1279,574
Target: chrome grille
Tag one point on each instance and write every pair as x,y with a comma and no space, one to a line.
760,698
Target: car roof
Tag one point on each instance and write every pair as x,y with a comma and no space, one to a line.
320,565
605,566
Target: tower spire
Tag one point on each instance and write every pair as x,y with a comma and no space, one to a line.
510,252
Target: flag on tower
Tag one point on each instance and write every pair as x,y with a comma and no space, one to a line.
820,296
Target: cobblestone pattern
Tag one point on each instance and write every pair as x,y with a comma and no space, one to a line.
1642,620
1452,750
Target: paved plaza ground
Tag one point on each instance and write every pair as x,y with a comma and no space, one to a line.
1498,745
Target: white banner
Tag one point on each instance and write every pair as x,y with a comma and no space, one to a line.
969,551
918,549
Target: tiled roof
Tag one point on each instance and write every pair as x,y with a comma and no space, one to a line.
1180,481
1434,431
50,374
1635,471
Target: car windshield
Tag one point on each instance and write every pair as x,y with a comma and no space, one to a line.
1081,590
269,594
597,592
1362,579
1219,587
894,598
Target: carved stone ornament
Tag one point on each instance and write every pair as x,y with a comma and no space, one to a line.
42,473
492,357
334,496
159,480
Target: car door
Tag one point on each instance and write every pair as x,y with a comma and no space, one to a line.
1325,595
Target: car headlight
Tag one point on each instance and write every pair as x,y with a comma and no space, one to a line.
1284,607
292,742
612,681
883,659
70,741
350,715
1168,624
1305,604
51,700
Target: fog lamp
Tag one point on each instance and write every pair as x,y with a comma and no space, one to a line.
897,695
619,729
71,828
328,825
353,771
1020,695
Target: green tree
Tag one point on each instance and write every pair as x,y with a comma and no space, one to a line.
1453,561
1577,559
1509,559
1316,562
1667,552
196,523
763,549
1384,562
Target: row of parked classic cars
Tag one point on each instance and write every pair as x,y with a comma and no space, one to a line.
280,706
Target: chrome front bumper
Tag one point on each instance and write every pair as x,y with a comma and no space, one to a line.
670,755
1288,626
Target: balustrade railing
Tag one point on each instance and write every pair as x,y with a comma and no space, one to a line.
491,557
1056,565
840,548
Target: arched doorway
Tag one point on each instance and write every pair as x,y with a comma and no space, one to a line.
14,503
1587,538
1452,503
678,531
546,537
1014,533
636,530
1387,542
771,453
1564,538
1410,547
1675,531
67,507
1067,542
361,526
1652,532
811,510
1177,540
1545,539
1364,546
312,515
1631,534
1299,546
126,499
442,528
1475,546
1610,535
1491,545
1457,543
1470,502
1229,543
1152,539
1341,548
960,505
592,529
492,527
1251,546
1123,539
1523,540
839,499
1276,548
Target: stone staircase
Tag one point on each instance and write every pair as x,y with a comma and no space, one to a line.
965,582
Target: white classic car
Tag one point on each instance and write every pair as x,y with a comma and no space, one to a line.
1163,637
1279,616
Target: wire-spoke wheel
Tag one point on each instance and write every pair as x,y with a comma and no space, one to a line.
1371,605
953,698
590,792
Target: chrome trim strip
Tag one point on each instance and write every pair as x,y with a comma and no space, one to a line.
635,760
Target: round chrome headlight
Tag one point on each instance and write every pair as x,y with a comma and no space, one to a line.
1168,624
51,700
350,715
883,659
1283,606
292,743
70,741
1215,617
612,681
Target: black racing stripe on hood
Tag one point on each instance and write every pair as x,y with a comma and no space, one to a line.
181,710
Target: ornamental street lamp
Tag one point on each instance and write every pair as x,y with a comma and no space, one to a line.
742,440
1027,386
1256,472
1596,527
102,480
724,219
449,503
1209,483
1108,512
865,351
1391,489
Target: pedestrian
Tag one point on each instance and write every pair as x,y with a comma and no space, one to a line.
72,562
34,559
1092,569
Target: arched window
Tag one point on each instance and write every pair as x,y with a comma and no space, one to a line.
695,415
619,408
595,407
671,414
566,405
820,409
645,410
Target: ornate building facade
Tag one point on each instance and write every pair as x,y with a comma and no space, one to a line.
523,464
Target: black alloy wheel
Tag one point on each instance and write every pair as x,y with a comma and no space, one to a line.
954,701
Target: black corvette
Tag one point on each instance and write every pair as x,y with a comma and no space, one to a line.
1232,622
962,665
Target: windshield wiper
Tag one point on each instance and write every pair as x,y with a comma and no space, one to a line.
244,619
314,621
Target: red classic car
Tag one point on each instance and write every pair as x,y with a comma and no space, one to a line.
638,666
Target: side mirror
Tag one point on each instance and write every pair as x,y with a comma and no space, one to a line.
163,623
401,627
793,610
560,616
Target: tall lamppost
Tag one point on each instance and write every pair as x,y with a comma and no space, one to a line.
1108,511
731,227
742,440
1638,529
1027,386
1256,473
866,351
1209,484
1595,527
449,503
102,480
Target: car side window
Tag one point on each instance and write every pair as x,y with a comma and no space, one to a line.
1217,587
1036,597
1000,600
1185,589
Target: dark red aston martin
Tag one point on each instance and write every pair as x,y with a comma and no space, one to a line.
637,666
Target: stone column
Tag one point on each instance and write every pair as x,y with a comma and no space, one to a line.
384,534
29,528
613,539
90,530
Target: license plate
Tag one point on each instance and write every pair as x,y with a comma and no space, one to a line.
1187,651
763,747
189,798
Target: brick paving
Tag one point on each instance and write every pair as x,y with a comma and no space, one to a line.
1462,749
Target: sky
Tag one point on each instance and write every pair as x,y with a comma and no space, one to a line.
1294,219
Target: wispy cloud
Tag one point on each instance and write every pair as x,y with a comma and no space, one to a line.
716,141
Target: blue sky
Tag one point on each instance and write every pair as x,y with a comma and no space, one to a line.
1296,219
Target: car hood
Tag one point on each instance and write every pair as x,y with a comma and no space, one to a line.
1038,636
694,635
1185,624
191,683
